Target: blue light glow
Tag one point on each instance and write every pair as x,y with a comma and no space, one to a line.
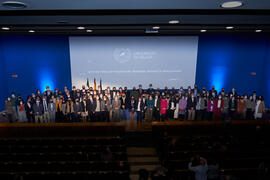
218,77
46,79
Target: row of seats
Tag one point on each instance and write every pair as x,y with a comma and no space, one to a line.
61,148
63,166
63,141
185,155
68,175
62,156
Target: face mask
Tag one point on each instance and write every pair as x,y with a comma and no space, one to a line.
37,101
219,97
13,95
8,99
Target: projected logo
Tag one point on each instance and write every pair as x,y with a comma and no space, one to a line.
122,55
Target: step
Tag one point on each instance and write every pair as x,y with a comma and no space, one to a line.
143,159
141,151
135,169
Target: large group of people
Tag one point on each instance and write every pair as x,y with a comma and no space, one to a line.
112,105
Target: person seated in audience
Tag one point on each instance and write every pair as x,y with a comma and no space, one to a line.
199,170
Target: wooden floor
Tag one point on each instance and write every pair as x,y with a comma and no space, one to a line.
132,125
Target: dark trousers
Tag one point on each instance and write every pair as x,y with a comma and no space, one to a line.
249,114
90,116
139,116
156,114
210,116
30,117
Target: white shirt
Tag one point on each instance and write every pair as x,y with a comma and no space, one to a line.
139,106
219,103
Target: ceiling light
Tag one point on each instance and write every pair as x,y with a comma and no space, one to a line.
5,28
89,30
156,27
203,30
231,4
80,27
258,30
174,22
229,27
14,4
31,31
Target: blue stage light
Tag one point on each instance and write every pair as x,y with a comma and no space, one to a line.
46,79
218,77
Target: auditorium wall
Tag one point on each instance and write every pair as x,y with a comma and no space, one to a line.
240,61
2,79
37,61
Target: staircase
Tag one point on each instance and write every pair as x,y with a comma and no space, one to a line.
141,153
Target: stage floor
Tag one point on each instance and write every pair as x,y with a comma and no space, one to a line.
131,125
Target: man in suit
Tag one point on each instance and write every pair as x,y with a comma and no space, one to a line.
91,107
116,103
38,111
46,115
124,107
157,107
77,110
213,92
52,111
139,109
191,105
29,110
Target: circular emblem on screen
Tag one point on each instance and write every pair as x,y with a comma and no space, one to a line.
122,55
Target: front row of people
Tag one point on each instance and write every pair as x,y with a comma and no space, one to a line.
98,108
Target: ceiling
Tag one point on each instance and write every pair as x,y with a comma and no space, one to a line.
134,16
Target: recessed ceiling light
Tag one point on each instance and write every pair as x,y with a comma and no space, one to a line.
203,30
5,28
31,31
231,4
156,27
80,27
258,30
229,27
14,4
89,30
174,22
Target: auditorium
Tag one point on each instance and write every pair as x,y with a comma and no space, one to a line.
135,90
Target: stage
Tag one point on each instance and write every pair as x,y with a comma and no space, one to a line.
120,128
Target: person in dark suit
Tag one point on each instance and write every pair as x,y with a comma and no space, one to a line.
29,110
124,106
132,105
77,110
139,109
91,107
38,111
191,105
213,92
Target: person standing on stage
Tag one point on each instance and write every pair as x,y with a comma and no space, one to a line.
52,111
38,111
150,107
157,107
116,103
139,110
46,115
191,106
163,108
